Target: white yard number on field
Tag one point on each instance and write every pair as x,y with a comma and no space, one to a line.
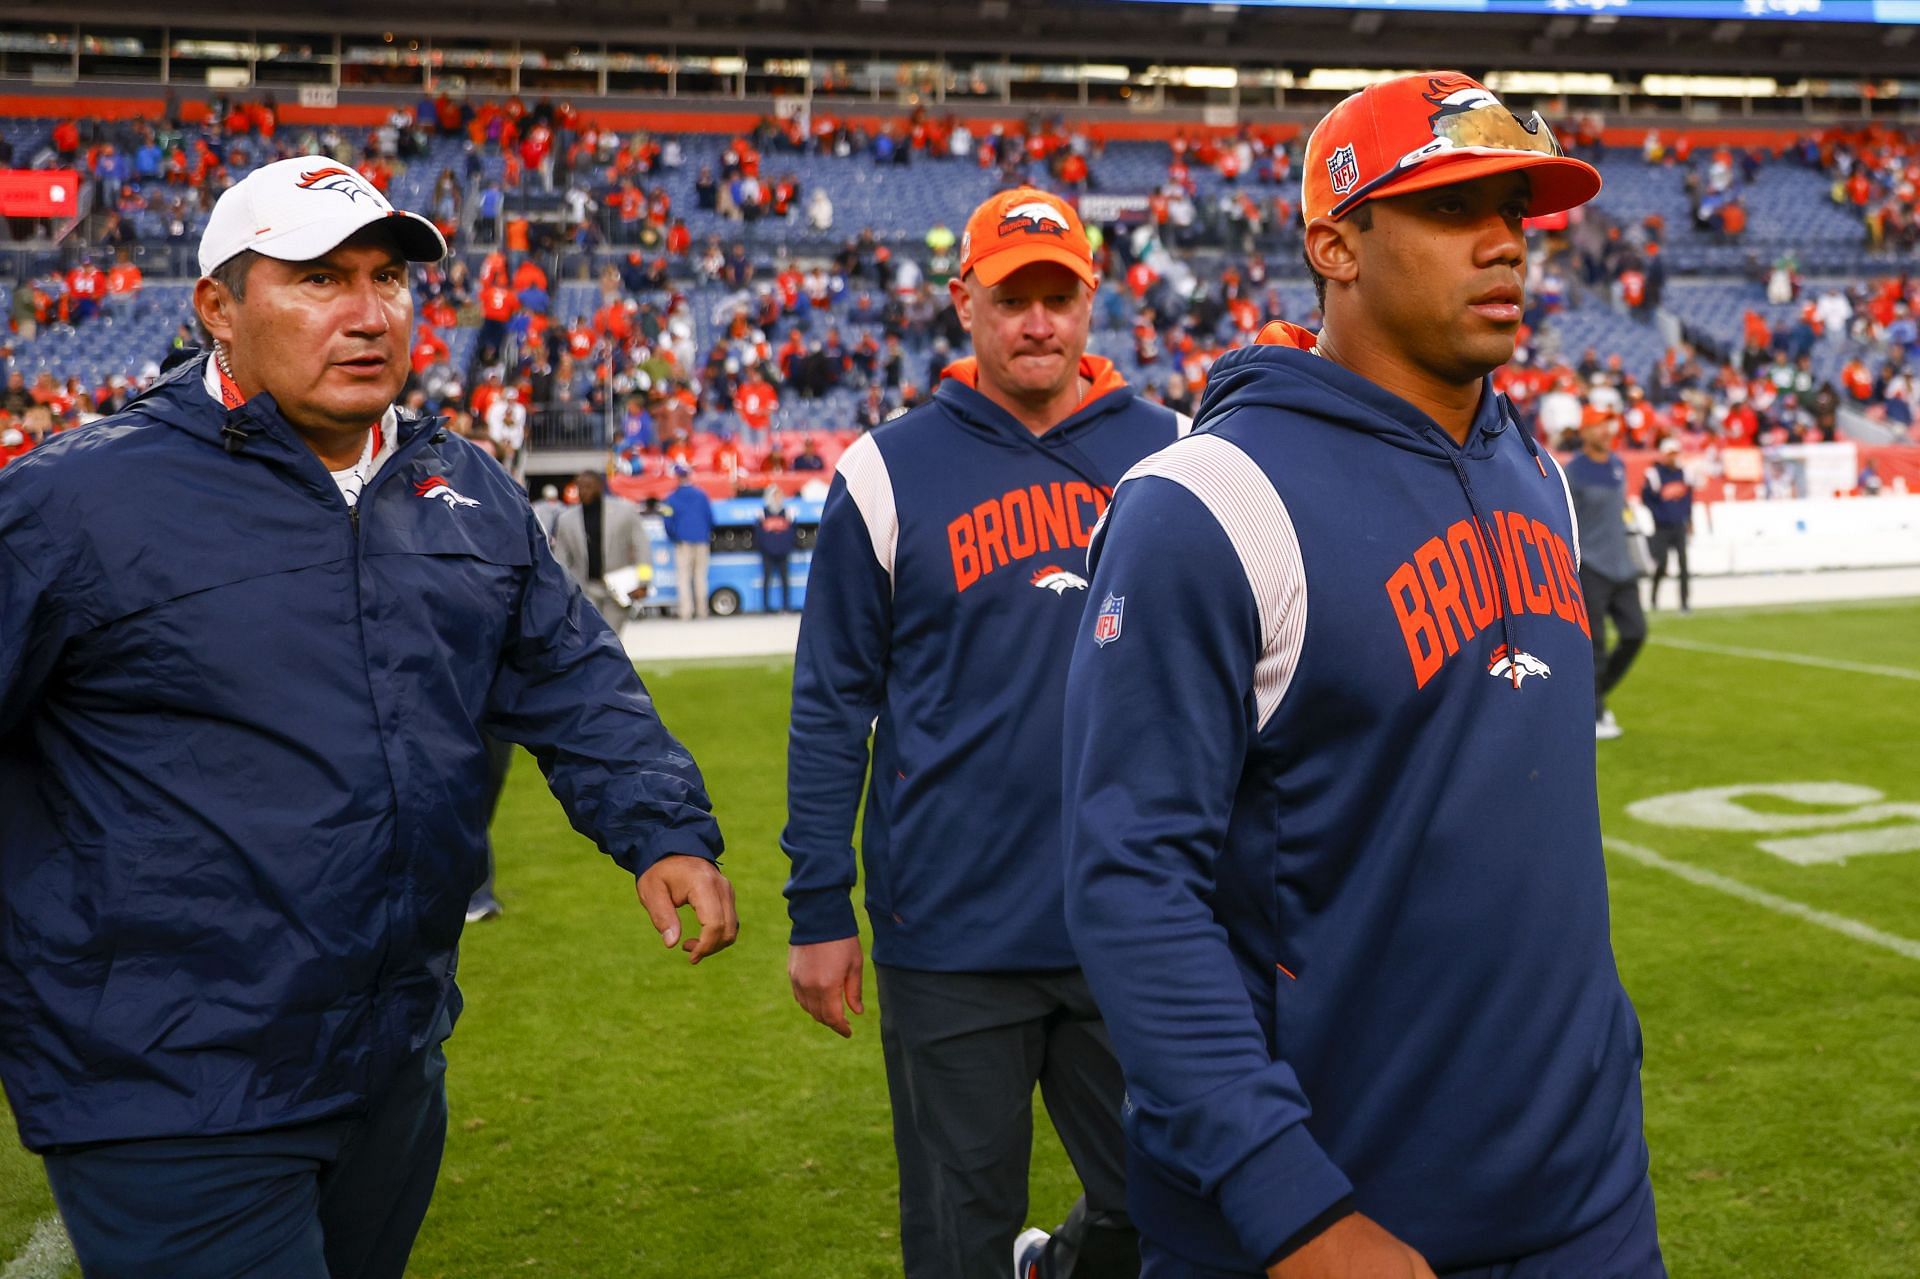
1847,805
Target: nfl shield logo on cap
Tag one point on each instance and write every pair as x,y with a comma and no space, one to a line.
1343,170
1106,624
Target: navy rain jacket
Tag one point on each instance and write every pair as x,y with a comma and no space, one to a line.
243,792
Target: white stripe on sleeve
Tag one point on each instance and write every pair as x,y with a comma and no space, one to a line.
871,488
1573,520
1251,513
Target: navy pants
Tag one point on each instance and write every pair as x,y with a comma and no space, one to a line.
1623,1245
963,1054
339,1199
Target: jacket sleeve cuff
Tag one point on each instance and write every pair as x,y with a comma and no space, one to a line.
1342,1208
1282,1189
826,915
675,843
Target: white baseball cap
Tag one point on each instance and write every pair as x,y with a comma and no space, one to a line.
299,209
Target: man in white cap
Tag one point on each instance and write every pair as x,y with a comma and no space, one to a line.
260,624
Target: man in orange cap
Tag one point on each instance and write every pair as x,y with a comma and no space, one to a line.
1332,833
946,587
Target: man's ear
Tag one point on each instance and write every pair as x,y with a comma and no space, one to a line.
215,306
962,302
1330,248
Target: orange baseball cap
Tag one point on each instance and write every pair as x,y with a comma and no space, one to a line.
1020,227
1416,132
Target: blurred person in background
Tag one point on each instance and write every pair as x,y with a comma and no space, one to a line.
689,516
1609,570
1668,497
774,534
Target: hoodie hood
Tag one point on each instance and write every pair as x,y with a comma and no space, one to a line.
959,391
1280,371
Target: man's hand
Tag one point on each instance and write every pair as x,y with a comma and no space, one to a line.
1354,1247
824,975
678,880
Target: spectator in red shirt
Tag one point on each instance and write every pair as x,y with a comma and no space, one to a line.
87,285
498,303
124,282
1858,379
528,275
1741,426
755,401
428,349
580,338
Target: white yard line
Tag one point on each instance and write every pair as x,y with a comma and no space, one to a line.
48,1254
1779,905
1794,659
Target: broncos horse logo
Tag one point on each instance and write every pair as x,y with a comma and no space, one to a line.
1035,217
1458,104
332,177
437,486
1058,580
1522,665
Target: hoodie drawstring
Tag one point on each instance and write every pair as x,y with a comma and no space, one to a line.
1485,526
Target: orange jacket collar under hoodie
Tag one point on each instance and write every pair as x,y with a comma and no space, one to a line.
1101,376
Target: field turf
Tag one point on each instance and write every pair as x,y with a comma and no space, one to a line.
617,1114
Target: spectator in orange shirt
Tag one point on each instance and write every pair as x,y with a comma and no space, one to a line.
1858,380
428,349
123,285
1733,219
498,302
528,275
755,401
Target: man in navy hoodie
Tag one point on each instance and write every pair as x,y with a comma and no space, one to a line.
1333,840
259,628
945,591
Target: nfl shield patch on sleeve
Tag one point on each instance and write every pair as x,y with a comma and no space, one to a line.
1106,623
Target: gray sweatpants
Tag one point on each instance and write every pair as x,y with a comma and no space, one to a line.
963,1053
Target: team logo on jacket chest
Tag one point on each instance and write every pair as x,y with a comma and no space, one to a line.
1023,522
437,486
1461,581
1517,667
1058,580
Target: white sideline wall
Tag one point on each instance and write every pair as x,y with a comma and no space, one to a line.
1803,535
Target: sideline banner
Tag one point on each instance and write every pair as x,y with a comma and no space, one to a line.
39,193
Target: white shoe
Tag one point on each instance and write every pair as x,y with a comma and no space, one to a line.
1606,728
1026,1252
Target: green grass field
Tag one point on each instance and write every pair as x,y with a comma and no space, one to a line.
618,1114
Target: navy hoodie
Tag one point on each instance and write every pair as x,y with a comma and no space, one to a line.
946,588
1332,835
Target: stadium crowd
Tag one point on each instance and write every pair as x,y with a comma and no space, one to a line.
708,354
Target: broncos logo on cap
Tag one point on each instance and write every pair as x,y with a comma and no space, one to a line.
1035,217
1455,99
332,177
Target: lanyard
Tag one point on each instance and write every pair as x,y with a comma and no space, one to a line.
231,397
